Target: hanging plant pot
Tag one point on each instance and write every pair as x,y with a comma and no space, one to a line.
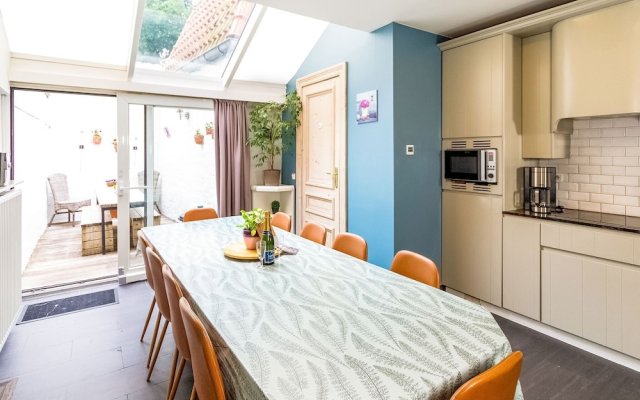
97,137
114,143
209,128
199,139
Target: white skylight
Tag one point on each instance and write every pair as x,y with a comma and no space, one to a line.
280,45
93,31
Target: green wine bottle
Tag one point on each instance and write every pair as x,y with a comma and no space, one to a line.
267,243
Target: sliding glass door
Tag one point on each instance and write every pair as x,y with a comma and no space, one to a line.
166,166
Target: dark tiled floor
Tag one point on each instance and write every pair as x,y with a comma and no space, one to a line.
554,370
96,354
93,354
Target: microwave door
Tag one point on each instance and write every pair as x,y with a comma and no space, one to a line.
482,166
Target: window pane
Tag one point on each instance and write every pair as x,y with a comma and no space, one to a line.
193,37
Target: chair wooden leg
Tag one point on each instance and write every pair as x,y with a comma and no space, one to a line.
153,340
193,393
176,380
172,373
157,350
52,217
149,314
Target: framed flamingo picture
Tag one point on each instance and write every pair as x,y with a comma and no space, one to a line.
367,103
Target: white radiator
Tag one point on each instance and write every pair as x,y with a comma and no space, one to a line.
10,261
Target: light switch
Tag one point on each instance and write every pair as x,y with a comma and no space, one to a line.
293,176
410,150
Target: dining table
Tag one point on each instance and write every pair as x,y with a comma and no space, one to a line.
107,199
321,324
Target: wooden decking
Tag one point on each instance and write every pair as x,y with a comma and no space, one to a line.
57,259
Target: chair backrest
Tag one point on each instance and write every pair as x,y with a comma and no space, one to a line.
314,232
156,179
497,383
174,294
59,187
417,267
144,245
155,265
282,221
206,371
197,214
351,244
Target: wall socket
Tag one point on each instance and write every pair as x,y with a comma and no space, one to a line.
410,150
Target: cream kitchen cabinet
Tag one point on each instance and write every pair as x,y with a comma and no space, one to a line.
521,266
538,138
596,299
472,244
472,89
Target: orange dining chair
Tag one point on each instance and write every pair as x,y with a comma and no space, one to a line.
314,232
174,294
155,265
197,214
206,371
282,221
417,267
497,383
144,245
351,244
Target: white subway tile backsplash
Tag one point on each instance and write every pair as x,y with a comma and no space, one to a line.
568,203
613,132
630,151
603,170
590,169
579,196
612,209
626,201
625,180
617,170
613,151
589,206
601,160
624,141
626,161
578,178
602,179
601,198
632,211
632,171
567,169
633,191
624,122
633,132
601,122
590,187
580,123
611,189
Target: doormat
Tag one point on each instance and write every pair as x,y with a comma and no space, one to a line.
7,388
54,308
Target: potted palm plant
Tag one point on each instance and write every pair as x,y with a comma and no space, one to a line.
271,128
252,221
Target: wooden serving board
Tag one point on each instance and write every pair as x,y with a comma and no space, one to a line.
239,252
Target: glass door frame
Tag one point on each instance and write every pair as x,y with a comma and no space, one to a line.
128,273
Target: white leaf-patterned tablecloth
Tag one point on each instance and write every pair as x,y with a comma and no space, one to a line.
324,325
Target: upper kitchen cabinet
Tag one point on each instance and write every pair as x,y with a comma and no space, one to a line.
596,63
478,88
538,138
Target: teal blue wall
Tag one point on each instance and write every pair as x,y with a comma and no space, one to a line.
372,148
416,111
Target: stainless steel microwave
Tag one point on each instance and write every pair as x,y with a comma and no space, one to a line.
471,165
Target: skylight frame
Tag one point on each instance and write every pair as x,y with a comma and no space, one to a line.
140,74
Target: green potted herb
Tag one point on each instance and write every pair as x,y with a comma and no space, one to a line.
271,127
198,137
252,221
208,127
275,207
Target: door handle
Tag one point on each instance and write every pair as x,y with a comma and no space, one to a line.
334,175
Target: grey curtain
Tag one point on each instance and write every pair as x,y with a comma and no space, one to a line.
232,157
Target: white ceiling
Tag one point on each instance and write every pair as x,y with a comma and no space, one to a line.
444,17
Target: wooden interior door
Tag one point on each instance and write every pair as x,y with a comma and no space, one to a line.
321,151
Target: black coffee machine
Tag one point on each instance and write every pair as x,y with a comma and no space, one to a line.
539,189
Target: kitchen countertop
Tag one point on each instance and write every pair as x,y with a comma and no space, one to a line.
588,218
